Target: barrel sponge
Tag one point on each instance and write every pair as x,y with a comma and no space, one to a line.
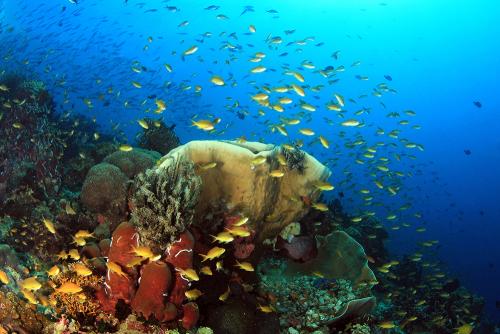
133,162
104,191
163,201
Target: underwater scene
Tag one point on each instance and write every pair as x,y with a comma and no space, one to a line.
249,167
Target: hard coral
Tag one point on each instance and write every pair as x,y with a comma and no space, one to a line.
105,191
81,306
18,316
163,202
133,162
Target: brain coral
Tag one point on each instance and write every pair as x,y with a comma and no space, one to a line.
163,202
133,162
105,191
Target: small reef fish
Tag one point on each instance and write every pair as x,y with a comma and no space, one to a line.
225,295
239,231
223,237
213,253
258,160
320,206
276,173
219,266
350,122
73,253
69,209
323,186
49,225
115,268
82,270
30,296
4,278
143,124
205,270
144,252
193,294
190,51
247,266
125,148
205,125
84,234
387,325
188,274
240,222
31,284
69,288
208,165
53,271
217,80
265,308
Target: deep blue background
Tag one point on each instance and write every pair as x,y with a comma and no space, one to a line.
442,56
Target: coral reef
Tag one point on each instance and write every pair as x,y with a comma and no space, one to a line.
245,186
133,162
339,256
105,192
308,303
158,137
163,201
17,316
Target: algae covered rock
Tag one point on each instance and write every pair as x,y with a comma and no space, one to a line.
163,201
339,257
244,184
105,191
133,162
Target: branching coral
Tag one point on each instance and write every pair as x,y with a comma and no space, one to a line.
163,202
80,305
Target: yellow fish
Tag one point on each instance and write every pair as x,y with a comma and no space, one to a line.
464,329
30,296
136,84
265,308
258,160
213,253
225,295
193,294
238,231
143,124
31,284
205,125
258,69
247,266
190,51
323,185
320,206
189,274
223,237
276,173
307,132
350,122
69,287
53,271
324,142
205,270
217,80
125,148
208,165
3,277
82,270
387,325
49,225
115,268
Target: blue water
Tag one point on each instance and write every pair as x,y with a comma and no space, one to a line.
441,55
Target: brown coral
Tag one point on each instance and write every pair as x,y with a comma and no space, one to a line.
18,316
81,306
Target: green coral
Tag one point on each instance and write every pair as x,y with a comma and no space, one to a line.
163,201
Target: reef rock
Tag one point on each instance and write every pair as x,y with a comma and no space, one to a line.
104,192
339,257
246,186
133,162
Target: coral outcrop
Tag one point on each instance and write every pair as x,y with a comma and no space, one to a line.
105,192
133,162
164,200
339,257
242,182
